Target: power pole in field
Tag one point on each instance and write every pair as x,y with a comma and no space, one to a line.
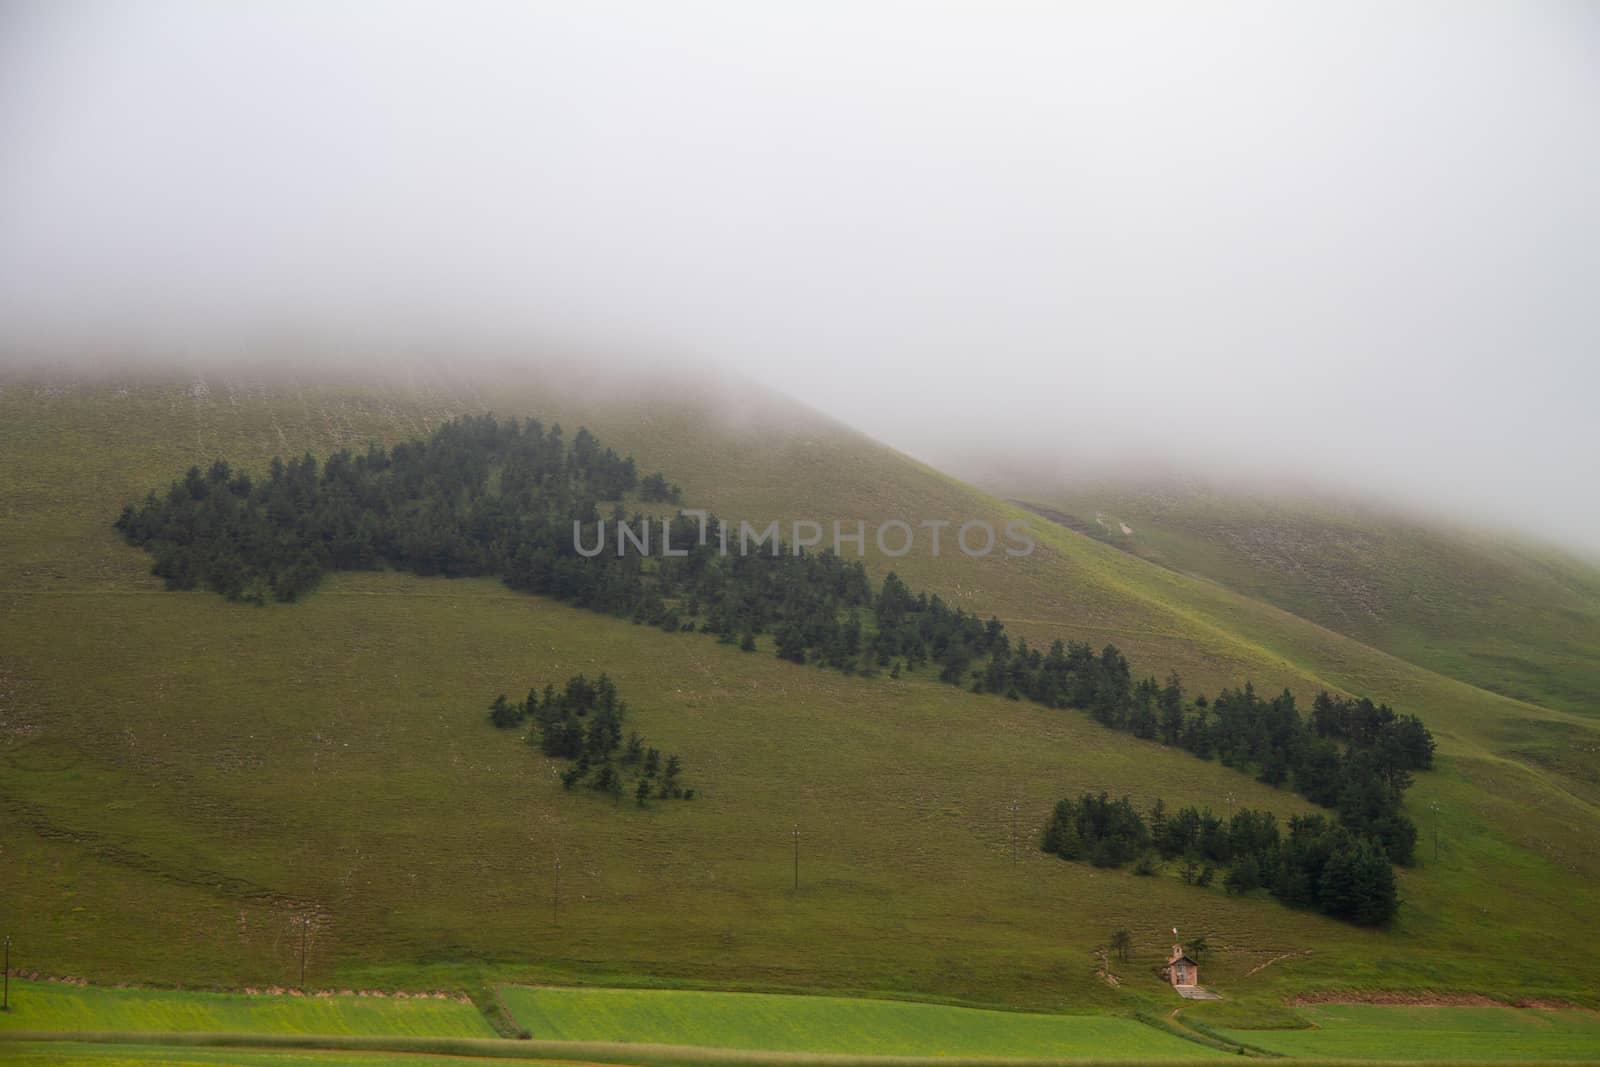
5,999
305,923
797,857
1013,829
1433,806
555,895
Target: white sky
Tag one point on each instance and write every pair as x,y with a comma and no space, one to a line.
1358,243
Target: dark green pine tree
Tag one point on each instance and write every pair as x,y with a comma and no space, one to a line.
1358,883
1172,710
503,713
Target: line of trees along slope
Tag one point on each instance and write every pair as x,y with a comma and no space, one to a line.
1316,864
482,496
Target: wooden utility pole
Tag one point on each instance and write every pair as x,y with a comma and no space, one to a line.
5,999
1013,830
1433,806
555,895
797,857
305,923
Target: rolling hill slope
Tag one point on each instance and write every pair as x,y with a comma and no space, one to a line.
184,778
1510,617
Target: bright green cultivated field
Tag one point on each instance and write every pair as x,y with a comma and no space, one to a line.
1378,1032
53,1006
38,1054
827,1024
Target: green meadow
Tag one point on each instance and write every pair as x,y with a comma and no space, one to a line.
1371,1031
827,1024
184,781
62,1054
111,1054
57,1006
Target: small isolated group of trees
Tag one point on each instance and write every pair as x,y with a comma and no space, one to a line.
583,722
1317,864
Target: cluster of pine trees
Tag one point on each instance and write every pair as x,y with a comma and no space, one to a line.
811,604
1364,779
1316,864
1361,722
583,723
481,496
654,487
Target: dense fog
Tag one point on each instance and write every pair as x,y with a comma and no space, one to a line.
1353,244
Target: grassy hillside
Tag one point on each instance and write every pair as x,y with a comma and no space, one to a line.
184,779
1508,617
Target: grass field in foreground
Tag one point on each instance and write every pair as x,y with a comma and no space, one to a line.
40,1053
54,1006
1369,1031
54,1053
826,1024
